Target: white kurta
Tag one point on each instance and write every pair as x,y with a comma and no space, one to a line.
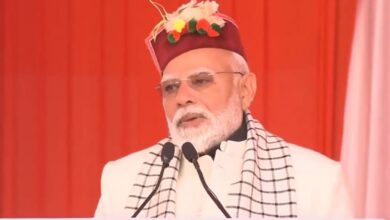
321,191
192,200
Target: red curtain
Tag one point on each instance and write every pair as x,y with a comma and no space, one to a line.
77,88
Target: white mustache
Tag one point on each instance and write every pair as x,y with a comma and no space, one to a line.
188,112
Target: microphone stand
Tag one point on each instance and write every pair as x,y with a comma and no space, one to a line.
191,155
152,193
208,190
167,154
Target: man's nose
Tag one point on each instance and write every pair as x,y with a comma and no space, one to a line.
185,95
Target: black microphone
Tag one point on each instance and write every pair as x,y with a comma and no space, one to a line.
191,155
166,156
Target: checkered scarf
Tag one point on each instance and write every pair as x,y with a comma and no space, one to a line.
265,188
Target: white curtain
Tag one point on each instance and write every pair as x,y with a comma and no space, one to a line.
366,137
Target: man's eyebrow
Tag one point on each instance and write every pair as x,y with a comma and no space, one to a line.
201,70
165,78
195,71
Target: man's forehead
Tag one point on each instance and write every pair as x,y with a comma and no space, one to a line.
214,59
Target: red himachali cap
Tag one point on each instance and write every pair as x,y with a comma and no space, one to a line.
187,33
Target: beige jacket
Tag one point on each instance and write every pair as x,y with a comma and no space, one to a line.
321,191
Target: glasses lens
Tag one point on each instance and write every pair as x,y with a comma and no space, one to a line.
169,87
201,80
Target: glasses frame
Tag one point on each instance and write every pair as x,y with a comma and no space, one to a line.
159,86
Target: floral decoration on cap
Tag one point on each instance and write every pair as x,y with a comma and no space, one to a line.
195,25
191,18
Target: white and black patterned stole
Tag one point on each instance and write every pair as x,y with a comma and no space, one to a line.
265,189
163,202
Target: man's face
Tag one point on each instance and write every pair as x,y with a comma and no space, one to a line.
201,105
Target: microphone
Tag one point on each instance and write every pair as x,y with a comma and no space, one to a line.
167,153
166,156
191,155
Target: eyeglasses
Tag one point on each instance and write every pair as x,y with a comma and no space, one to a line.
198,81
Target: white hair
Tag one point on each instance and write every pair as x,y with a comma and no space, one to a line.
239,64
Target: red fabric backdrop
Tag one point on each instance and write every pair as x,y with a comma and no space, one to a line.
77,88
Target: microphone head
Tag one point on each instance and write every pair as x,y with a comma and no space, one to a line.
189,152
167,153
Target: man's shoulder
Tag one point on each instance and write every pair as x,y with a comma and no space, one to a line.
121,172
321,190
135,157
312,167
117,178
311,161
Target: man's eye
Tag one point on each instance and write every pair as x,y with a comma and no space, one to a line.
202,81
170,88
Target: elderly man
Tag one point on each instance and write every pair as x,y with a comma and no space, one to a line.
207,89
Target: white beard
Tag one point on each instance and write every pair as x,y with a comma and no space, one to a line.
216,128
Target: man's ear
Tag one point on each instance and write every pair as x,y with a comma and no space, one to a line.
247,89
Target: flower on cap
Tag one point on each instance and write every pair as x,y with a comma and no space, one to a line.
193,18
179,25
174,36
202,26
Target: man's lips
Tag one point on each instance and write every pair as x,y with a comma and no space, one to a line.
189,119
